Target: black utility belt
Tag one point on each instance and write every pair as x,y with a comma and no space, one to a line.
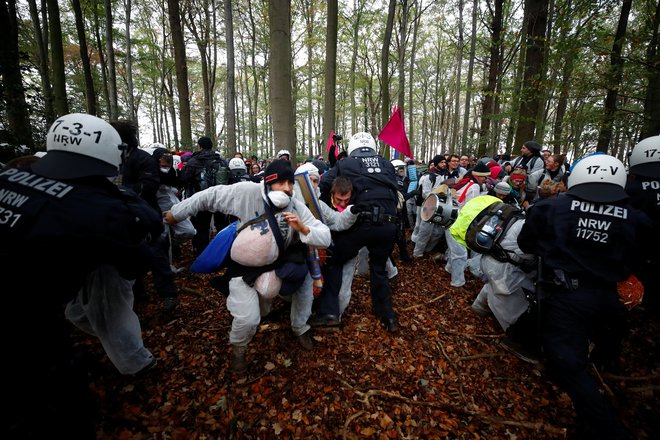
370,217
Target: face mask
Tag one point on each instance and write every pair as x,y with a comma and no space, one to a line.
165,170
279,198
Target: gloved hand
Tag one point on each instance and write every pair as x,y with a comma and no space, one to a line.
360,207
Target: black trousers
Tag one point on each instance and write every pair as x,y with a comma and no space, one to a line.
202,223
379,240
571,319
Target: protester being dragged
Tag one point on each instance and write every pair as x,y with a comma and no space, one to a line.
375,192
272,243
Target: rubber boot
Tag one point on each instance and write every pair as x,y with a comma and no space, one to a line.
238,363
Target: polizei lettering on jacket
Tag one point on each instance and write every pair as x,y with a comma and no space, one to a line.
48,186
597,208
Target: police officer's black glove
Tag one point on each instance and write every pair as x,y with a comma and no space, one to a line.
360,207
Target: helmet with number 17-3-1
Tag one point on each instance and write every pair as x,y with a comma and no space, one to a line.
360,144
645,158
599,178
80,145
237,163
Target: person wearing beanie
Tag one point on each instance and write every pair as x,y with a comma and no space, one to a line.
502,190
530,157
258,251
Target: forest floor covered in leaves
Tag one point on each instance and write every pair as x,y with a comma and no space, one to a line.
443,375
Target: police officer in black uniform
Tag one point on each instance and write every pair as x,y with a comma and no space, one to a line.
375,198
588,240
60,221
643,187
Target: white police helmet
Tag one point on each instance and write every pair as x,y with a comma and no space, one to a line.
80,145
283,153
645,158
358,144
398,163
237,163
598,178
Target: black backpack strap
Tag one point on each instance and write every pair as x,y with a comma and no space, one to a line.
275,227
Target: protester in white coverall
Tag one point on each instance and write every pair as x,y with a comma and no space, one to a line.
457,255
503,292
427,234
104,308
340,219
247,200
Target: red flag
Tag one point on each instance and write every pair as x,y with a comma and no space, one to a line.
331,142
394,133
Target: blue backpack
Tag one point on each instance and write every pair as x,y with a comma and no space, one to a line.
215,254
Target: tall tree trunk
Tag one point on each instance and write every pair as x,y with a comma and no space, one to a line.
90,94
358,7
255,78
413,55
562,104
330,70
652,102
181,67
112,70
60,103
459,69
309,14
403,29
494,72
468,88
104,67
18,120
281,96
536,12
42,46
132,111
517,91
614,79
230,116
384,70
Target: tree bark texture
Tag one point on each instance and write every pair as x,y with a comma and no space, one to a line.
281,97
60,104
536,12
18,121
614,82
330,71
230,115
181,67
90,94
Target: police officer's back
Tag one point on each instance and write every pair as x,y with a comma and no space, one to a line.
643,187
375,195
61,220
588,240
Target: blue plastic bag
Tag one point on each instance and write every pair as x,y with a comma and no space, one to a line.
217,252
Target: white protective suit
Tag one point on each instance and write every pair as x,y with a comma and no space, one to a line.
427,234
457,254
503,292
245,201
104,308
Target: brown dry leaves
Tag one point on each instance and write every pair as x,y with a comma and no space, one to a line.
442,376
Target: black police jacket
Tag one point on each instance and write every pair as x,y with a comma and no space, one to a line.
373,178
54,233
645,195
140,173
595,241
